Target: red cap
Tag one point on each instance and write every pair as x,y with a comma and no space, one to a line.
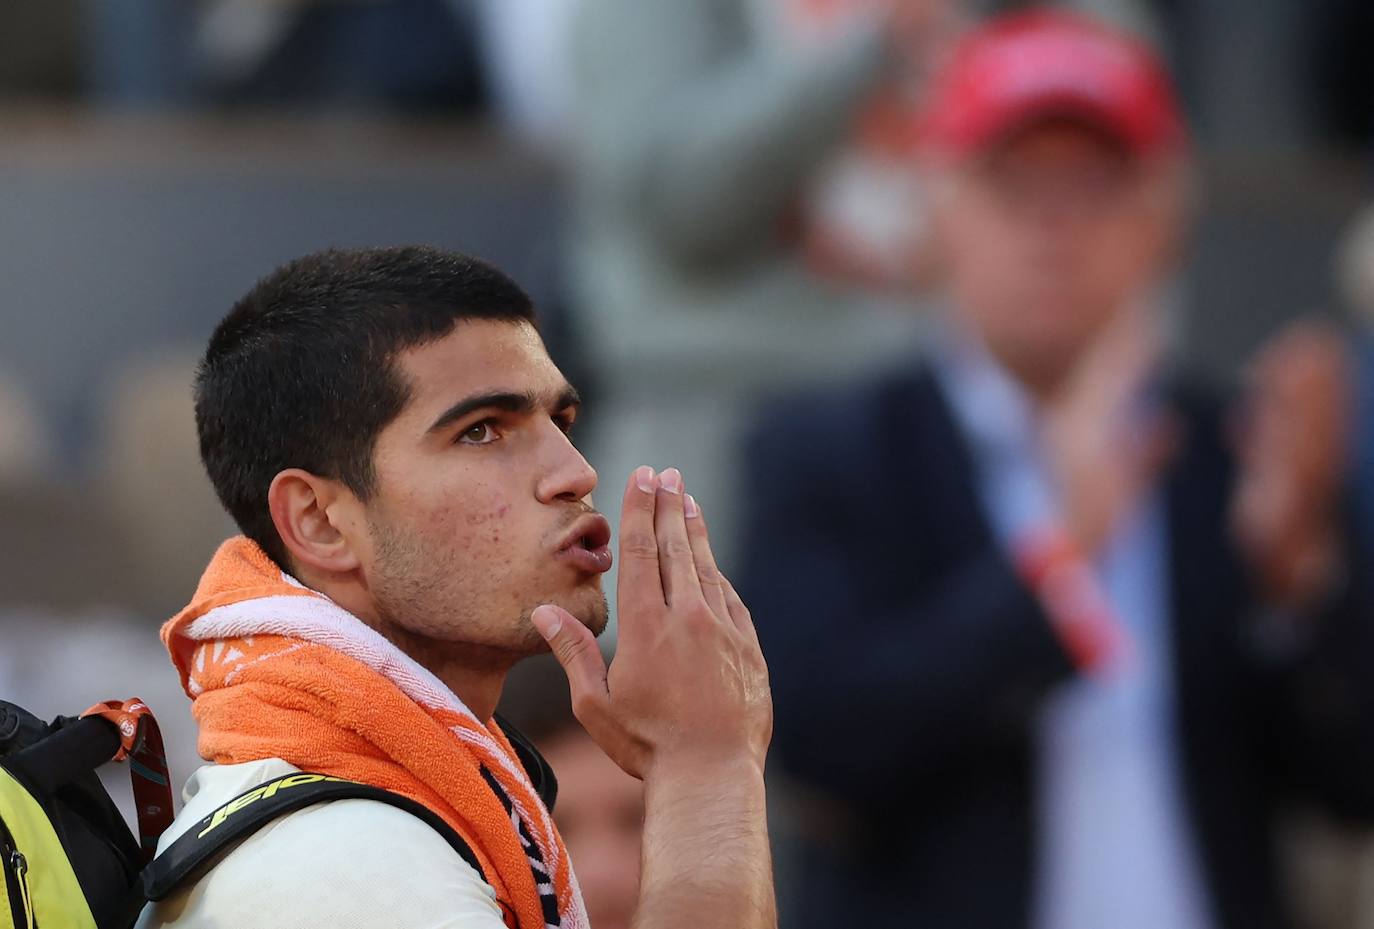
1022,67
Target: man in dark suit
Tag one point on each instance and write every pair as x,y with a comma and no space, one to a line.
1049,646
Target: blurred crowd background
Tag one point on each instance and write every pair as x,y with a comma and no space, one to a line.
715,203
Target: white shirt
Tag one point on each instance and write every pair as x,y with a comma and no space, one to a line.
345,864
1115,844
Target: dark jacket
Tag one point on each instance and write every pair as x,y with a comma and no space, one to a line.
909,662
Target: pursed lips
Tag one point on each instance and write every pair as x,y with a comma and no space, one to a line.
588,544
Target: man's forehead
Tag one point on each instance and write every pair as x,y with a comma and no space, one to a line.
473,352
478,355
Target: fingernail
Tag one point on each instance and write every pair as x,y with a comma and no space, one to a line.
672,481
644,478
547,620
689,507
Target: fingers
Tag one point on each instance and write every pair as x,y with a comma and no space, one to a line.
708,575
1302,388
739,613
640,586
1115,367
677,567
575,647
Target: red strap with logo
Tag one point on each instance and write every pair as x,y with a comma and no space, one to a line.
140,741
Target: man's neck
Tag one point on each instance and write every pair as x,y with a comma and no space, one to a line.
474,673
1040,382
1041,375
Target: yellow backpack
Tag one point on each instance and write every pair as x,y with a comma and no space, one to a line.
67,857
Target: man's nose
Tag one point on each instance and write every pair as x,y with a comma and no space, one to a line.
569,476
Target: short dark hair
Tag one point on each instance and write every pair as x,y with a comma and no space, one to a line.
301,372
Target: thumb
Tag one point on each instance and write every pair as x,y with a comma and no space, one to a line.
574,646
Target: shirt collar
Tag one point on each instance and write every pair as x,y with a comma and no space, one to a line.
995,413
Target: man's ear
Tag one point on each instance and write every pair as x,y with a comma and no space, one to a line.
311,516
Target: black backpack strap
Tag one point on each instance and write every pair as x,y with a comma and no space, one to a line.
69,748
18,728
540,774
198,847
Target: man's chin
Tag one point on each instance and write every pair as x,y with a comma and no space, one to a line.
597,624
594,616
589,608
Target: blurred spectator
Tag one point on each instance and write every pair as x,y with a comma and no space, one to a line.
1343,78
699,127
1355,280
25,446
138,51
525,49
412,55
400,55
600,808
1047,647
45,562
148,468
40,49
63,549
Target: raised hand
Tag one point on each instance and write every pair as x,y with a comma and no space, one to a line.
1293,447
685,706
1105,445
688,686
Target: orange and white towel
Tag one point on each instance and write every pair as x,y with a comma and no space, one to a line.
276,670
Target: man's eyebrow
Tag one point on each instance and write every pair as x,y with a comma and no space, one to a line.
508,400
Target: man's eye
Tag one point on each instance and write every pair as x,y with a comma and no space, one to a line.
478,434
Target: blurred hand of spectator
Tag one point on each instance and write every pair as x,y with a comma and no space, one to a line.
1104,454
1293,446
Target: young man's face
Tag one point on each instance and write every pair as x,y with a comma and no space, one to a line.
481,509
